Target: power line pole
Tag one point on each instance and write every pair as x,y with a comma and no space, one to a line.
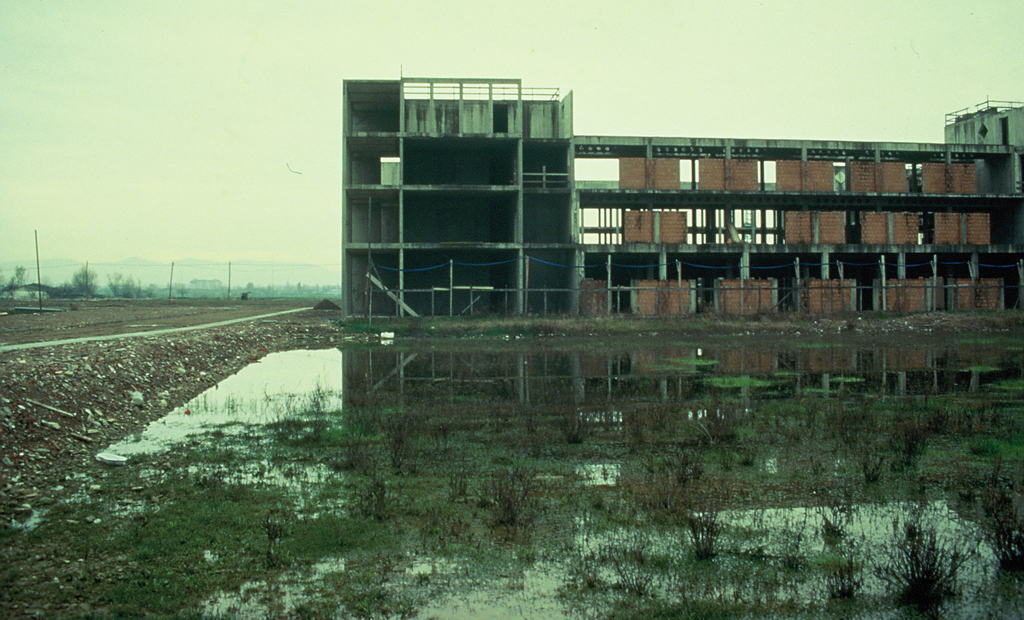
229,279
39,277
170,285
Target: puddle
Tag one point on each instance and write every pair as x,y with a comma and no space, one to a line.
598,474
533,594
272,389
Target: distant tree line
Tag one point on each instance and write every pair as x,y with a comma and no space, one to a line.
83,283
86,283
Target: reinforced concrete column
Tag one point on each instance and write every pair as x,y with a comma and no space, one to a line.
518,232
401,282
825,258
520,282
662,265
901,266
574,281
745,265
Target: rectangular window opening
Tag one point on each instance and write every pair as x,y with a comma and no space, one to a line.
500,118
766,175
840,178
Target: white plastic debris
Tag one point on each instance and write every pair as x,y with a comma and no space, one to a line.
110,458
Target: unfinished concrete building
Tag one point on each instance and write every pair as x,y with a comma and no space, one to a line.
459,196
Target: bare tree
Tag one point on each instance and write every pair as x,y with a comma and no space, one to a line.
83,282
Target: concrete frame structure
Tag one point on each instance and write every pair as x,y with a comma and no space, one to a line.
459,196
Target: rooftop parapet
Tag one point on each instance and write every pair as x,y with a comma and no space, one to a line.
989,106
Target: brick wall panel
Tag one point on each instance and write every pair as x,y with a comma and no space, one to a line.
632,173
638,227
979,229
797,227
947,229
818,176
910,295
905,227
645,302
712,173
874,228
824,296
862,176
593,297
741,175
663,173
788,175
673,227
962,179
832,227
893,177
756,296
983,293
934,178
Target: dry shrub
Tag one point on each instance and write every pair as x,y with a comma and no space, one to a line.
922,568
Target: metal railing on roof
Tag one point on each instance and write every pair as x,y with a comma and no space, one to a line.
476,90
989,106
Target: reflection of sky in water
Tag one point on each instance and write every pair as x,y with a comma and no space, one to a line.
262,392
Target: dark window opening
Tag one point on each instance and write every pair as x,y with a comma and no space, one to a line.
500,118
1004,126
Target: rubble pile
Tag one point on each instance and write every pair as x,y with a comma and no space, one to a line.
61,405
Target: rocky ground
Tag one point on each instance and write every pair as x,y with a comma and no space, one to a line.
61,405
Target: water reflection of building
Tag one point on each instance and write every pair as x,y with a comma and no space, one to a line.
671,373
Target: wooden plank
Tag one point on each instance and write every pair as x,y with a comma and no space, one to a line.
393,297
54,409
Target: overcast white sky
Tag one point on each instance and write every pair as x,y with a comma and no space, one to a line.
165,130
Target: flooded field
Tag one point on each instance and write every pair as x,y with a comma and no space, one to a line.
577,478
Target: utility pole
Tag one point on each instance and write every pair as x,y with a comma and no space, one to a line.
229,279
170,285
39,277
87,294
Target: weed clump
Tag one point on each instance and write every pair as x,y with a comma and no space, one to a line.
629,558
908,442
1004,521
274,528
843,575
511,493
920,567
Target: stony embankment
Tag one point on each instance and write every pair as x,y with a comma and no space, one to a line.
61,405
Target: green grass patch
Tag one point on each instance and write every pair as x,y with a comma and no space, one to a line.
990,447
1007,385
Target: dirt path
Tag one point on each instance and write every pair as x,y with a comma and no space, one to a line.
157,332
84,319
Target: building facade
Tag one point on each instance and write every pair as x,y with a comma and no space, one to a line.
459,196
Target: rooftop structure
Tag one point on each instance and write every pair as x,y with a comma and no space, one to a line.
460,196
